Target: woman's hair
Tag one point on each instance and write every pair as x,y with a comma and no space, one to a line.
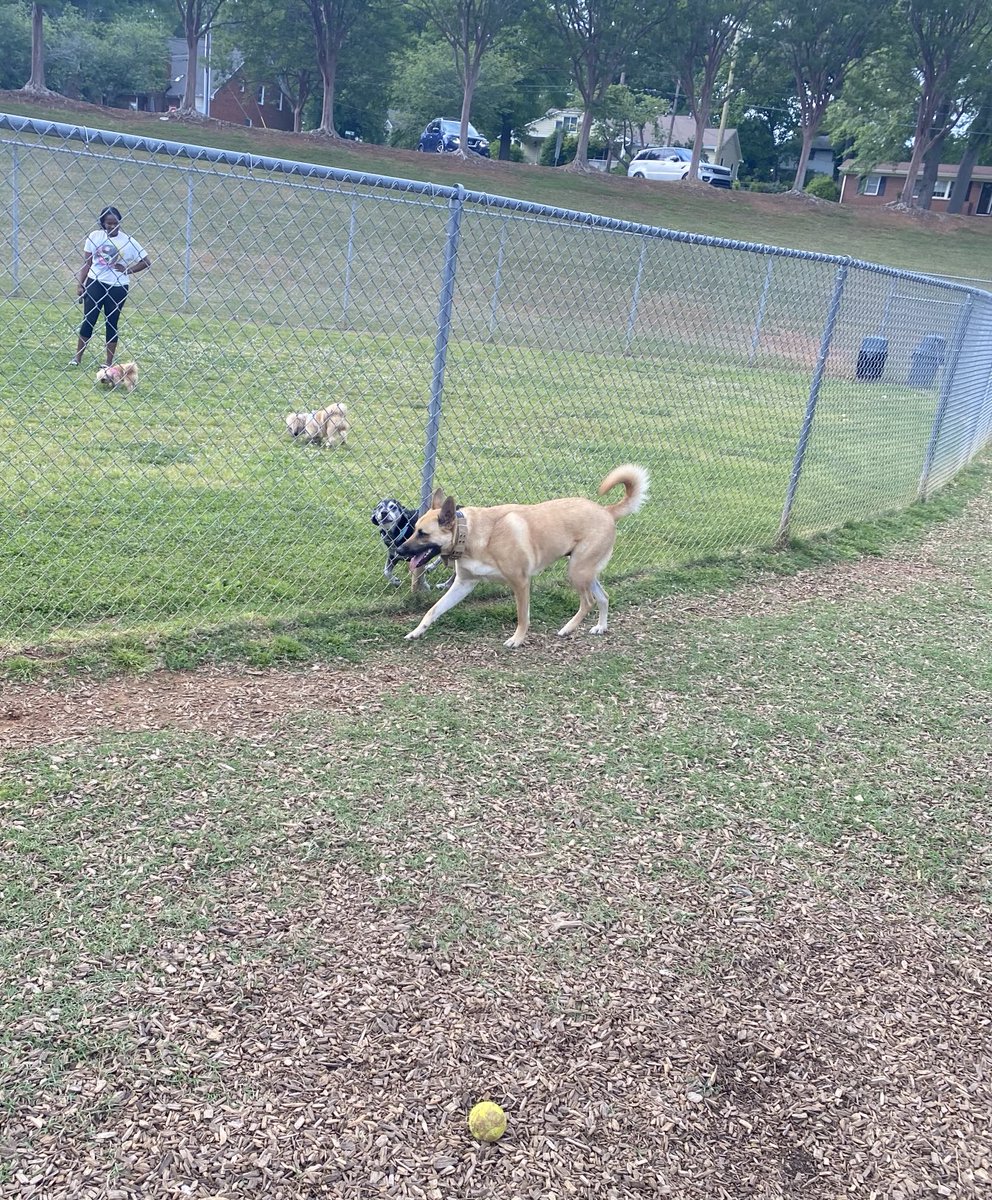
109,211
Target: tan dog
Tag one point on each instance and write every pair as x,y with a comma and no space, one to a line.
123,375
327,425
514,542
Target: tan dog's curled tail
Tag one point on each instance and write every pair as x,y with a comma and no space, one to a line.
635,489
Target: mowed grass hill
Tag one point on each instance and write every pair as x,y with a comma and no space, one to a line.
954,247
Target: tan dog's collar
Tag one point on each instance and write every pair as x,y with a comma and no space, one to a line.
461,537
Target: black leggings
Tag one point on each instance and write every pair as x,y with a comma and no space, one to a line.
97,296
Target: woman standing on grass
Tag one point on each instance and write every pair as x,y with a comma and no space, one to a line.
110,258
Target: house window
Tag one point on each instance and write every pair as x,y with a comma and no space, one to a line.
248,122
942,189
872,185
260,95
570,124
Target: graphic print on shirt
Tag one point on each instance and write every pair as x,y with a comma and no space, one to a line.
107,255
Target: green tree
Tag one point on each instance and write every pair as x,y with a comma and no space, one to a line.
272,40
425,86
819,41
197,18
978,138
702,34
332,22
133,58
624,112
73,52
513,88
951,42
36,84
15,37
874,114
470,28
366,70
597,37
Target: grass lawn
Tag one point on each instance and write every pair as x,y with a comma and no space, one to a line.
185,504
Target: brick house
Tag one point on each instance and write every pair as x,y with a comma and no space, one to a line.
224,94
884,182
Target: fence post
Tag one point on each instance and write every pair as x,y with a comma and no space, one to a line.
15,218
632,315
883,326
456,206
814,395
759,319
346,301
498,277
946,384
188,264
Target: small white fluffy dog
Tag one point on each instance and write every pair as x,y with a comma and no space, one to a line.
329,426
123,375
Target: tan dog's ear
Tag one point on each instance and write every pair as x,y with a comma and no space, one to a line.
447,518
438,498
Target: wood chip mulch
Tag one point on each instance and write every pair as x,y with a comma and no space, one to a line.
656,1018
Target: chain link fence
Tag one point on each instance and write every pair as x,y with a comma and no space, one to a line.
504,350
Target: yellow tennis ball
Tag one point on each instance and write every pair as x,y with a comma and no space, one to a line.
487,1121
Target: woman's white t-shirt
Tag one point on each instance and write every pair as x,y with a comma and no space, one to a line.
106,251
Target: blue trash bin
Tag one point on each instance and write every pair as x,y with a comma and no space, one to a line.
928,358
871,358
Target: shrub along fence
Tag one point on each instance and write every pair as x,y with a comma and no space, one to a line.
502,349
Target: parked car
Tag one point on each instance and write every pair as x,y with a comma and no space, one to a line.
672,162
442,136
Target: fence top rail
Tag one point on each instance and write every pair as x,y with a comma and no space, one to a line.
255,162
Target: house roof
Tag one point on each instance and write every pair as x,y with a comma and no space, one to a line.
656,131
683,132
897,170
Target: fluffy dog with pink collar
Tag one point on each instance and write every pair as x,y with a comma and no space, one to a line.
120,375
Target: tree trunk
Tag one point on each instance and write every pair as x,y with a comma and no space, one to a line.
702,116
188,104
505,132
809,132
978,138
581,160
924,124
928,175
931,159
37,81
328,72
962,180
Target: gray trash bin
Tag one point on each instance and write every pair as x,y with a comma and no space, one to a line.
871,358
928,358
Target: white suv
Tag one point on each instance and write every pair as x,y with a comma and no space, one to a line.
672,162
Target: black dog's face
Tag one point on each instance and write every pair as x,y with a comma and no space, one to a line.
388,513
395,521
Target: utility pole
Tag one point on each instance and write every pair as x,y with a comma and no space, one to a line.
675,104
724,112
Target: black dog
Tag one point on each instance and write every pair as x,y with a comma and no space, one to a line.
395,522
